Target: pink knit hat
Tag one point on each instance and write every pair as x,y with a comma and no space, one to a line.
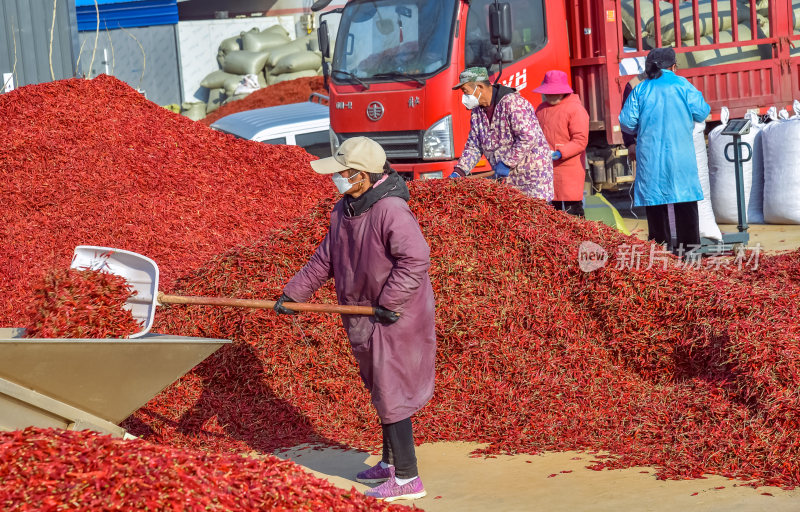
555,82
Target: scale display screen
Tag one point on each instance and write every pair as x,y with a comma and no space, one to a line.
737,127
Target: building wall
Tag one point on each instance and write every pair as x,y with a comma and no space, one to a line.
153,68
25,42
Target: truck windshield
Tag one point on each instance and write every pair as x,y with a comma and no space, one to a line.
382,40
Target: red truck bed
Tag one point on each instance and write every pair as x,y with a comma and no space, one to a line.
603,33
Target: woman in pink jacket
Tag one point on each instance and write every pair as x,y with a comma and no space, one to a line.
565,124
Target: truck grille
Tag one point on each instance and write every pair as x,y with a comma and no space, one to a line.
405,145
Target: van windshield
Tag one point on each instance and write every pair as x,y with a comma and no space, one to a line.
393,37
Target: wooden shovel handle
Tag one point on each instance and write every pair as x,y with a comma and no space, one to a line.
264,304
485,174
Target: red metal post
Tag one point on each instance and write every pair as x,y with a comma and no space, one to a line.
637,9
715,20
696,20
657,21
735,20
676,23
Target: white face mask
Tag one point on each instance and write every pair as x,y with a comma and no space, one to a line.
470,101
343,184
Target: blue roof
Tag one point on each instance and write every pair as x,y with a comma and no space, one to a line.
126,13
90,3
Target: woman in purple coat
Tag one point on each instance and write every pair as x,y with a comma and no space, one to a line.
377,257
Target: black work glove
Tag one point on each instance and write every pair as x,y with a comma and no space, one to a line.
385,316
280,308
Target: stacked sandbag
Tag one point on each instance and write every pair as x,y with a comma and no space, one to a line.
240,56
216,98
231,44
299,59
267,39
726,22
722,173
781,154
194,111
686,17
719,56
704,19
705,210
269,55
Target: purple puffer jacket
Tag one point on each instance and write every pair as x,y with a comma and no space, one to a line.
515,138
380,258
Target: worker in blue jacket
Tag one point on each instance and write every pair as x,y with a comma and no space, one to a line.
661,112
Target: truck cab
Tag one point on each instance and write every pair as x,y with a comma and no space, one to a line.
396,61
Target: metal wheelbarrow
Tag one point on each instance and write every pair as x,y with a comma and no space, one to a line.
78,384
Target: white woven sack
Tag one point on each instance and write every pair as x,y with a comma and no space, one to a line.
781,143
722,177
708,225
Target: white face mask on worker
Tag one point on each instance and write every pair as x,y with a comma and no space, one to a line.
343,184
470,101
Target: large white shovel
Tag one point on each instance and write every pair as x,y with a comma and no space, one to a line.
142,274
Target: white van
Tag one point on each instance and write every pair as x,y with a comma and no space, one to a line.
299,124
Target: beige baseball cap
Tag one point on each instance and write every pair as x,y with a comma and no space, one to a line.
360,153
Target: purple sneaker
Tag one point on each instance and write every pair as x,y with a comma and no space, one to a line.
391,490
375,475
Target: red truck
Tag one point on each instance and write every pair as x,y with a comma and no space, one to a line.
395,62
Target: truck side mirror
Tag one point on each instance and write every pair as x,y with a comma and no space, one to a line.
319,5
500,23
324,40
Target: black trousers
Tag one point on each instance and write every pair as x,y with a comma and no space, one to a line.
398,448
677,225
571,207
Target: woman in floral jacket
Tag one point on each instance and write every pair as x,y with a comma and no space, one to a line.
504,128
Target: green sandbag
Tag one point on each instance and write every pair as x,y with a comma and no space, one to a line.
278,29
795,15
216,79
245,63
236,97
231,44
262,41
194,111
276,54
285,77
725,55
298,61
216,97
629,17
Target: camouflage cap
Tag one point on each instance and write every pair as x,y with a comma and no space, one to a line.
470,75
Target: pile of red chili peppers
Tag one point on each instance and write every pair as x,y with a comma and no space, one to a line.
81,304
93,162
65,470
692,370
686,369
282,93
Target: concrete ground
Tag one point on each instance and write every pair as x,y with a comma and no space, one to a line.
551,482
771,237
